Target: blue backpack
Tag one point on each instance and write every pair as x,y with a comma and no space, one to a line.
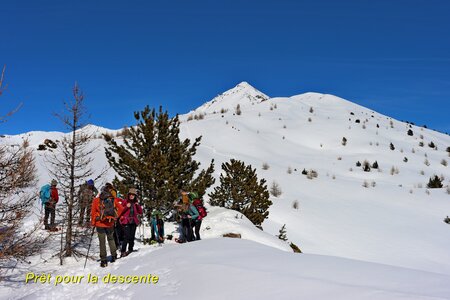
44,194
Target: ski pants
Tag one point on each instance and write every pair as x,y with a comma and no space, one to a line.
196,225
50,211
103,234
130,232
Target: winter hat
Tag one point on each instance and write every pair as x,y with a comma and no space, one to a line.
90,182
192,196
132,191
54,182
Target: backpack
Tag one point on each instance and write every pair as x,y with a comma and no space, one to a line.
108,210
44,194
201,209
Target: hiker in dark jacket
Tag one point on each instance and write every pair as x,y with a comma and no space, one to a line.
196,223
86,194
130,220
103,221
188,214
50,207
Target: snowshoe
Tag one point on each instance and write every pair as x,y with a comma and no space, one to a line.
179,241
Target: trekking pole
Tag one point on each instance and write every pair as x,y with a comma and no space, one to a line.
143,227
143,230
90,242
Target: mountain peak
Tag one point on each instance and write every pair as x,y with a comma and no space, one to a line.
245,87
243,94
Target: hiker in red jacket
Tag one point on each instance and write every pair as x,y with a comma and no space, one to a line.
129,219
50,207
104,212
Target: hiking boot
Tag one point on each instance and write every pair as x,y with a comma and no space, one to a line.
123,254
113,258
103,263
47,227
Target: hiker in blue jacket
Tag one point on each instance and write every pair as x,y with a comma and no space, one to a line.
189,215
157,226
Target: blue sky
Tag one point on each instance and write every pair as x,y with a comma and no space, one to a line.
390,56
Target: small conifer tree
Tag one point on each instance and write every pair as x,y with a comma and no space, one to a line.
241,190
435,182
282,233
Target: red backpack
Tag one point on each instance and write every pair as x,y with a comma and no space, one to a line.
201,209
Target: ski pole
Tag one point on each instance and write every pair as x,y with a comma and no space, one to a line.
90,242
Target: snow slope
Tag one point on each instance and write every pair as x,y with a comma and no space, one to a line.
246,270
383,241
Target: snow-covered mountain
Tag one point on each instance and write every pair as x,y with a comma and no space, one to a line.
383,225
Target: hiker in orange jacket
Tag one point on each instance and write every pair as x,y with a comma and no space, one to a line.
105,210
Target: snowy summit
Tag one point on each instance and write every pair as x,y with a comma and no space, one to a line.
243,94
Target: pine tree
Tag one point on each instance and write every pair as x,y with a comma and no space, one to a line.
410,132
282,233
392,147
435,182
240,190
156,161
375,165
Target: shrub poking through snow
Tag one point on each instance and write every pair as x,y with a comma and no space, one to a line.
312,174
366,166
295,248
344,141
275,189
435,182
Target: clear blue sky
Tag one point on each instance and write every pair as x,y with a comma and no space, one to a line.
389,55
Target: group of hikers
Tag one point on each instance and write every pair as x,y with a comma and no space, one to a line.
116,218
